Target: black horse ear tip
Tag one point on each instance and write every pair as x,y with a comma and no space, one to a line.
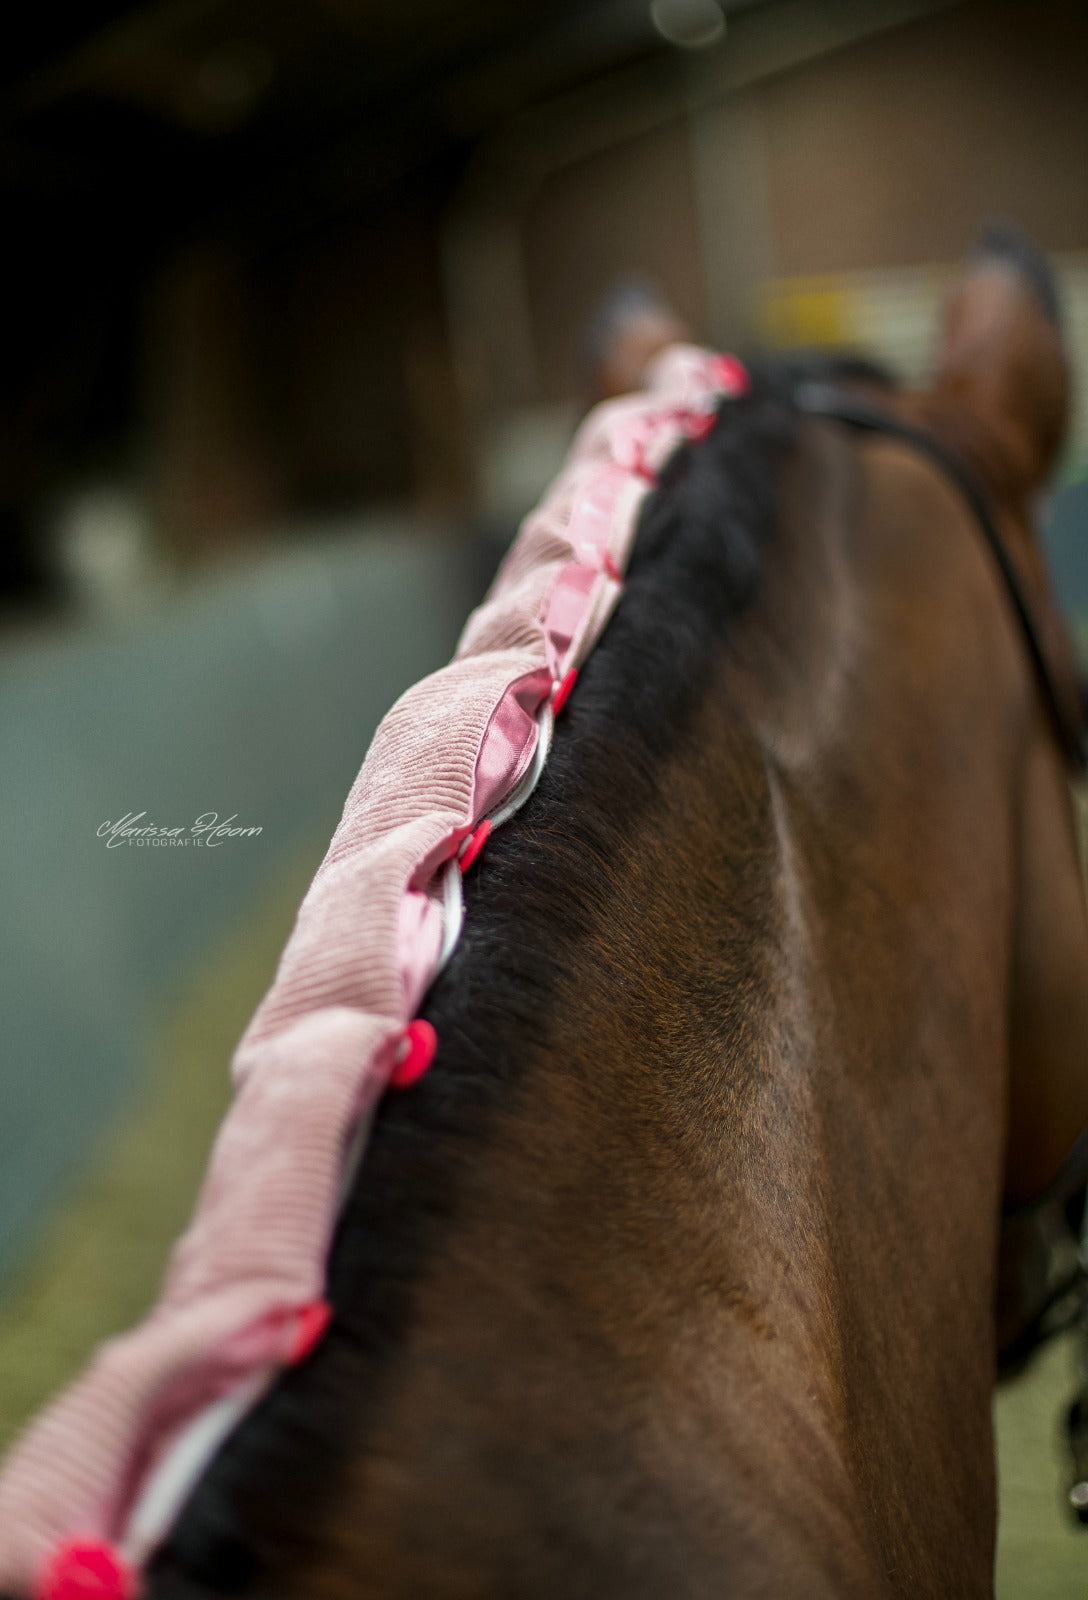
1003,240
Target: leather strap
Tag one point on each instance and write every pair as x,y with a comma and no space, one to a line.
825,400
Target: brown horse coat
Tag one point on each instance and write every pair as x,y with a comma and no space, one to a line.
675,1278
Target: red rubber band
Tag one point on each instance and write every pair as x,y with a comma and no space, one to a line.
563,689
418,1046
611,568
731,375
86,1569
310,1329
699,424
642,467
473,845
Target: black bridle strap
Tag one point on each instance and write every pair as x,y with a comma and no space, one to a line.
825,400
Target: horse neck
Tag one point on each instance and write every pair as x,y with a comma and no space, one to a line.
736,1202
701,1186
1048,1094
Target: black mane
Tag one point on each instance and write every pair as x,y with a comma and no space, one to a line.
700,549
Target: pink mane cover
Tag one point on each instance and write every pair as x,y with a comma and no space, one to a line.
97,1479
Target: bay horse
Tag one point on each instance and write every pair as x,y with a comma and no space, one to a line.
675,1277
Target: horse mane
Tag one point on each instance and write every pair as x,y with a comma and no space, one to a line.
701,546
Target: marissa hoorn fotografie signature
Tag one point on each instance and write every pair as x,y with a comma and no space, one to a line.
207,831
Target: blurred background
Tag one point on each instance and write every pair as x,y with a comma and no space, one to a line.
293,307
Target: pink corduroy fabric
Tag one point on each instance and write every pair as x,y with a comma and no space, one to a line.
322,1045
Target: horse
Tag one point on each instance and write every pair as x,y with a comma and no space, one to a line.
675,1276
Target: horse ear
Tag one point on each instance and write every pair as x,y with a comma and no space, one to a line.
1002,355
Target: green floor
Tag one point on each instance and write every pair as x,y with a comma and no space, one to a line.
103,1255
1041,1555
101,1261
